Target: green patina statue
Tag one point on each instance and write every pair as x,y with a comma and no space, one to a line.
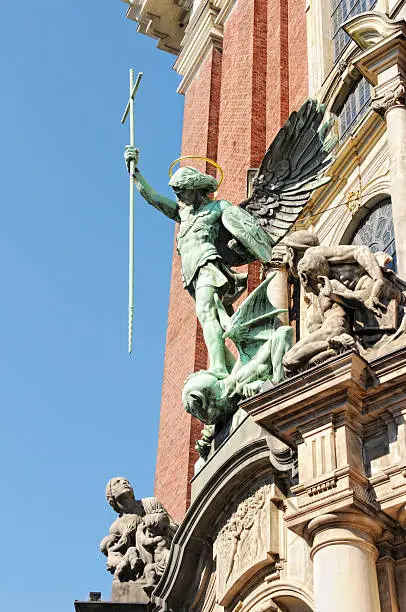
214,236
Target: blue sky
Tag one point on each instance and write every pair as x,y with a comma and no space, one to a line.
75,408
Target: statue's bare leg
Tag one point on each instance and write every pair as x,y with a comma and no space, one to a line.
310,347
206,311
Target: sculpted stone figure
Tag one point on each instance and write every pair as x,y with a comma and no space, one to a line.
139,539
358,300
214,236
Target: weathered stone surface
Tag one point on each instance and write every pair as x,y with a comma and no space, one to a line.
354,301
137,547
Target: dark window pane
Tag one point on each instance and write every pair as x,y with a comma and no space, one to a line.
354,108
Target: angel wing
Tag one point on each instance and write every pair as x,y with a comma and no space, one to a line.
291,170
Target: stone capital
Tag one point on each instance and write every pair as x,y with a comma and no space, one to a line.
357,525
280,258
389,97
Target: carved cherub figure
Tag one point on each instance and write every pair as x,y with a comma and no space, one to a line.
154,537
347,263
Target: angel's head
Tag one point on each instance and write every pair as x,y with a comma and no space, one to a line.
192,186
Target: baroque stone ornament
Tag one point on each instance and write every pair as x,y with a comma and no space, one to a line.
395,96
138,543
355,301
214,236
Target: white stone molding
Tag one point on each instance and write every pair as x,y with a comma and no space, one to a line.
371,28
204,31
266,596
383,63
319,43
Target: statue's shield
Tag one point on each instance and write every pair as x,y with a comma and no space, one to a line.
246,229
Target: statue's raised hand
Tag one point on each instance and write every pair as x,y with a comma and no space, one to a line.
131,154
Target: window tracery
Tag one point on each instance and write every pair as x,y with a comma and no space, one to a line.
377,232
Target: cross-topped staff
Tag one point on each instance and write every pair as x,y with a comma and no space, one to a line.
130,111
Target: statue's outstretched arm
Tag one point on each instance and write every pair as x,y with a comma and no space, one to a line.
167,206
350,253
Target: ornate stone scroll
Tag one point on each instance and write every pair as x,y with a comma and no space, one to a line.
139,540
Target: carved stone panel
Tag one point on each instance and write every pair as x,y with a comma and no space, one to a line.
248,541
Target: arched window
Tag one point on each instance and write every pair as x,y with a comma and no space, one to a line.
376,231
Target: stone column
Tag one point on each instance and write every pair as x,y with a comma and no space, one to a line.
279,288
392,107
344,563
383,64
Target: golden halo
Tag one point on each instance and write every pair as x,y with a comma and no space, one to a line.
207,159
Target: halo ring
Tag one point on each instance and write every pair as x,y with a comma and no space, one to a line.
207,159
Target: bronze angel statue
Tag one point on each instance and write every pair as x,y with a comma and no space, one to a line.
215,236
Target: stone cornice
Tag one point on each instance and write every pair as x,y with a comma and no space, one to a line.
161,19
204,31
383,44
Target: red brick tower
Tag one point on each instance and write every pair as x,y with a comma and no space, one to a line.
244,64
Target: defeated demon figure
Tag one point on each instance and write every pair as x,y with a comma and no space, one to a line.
261,341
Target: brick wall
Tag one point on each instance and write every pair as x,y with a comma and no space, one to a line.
185,348
233,109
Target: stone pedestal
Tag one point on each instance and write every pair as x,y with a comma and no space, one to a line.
346,419
108,606
128,592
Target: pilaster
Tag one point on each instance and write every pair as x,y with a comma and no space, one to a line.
383,63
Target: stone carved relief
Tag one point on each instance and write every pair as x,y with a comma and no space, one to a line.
138,543
247,541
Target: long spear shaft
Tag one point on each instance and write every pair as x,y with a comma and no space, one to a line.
130,111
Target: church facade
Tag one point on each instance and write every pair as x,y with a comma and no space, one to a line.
301,503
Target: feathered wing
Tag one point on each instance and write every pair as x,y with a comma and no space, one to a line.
291,170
